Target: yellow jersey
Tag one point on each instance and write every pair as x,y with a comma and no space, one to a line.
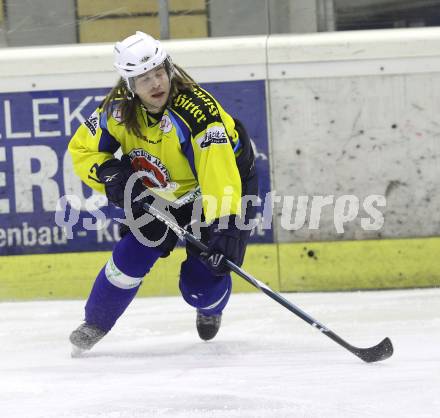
191,149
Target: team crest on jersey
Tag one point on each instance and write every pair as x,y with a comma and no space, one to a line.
155,174
92,122
165,124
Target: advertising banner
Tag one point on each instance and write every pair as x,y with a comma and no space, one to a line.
36,169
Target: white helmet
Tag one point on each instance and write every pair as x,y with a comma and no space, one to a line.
139,54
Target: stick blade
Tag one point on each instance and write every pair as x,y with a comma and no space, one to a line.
379,352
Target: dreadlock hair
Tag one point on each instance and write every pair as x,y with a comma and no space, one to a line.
128,103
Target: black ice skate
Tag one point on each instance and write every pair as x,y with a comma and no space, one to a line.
208,326
84,338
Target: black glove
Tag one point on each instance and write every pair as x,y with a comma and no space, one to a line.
114,174
223,244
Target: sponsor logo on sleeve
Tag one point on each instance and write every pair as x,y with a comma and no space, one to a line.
92,122
199,105
213,135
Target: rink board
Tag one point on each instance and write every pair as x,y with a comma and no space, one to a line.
292,267
296,84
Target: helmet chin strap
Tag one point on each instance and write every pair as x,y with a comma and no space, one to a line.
131,94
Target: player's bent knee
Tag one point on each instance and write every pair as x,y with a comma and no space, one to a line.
201,289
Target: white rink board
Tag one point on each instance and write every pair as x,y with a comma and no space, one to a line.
360,136
264,362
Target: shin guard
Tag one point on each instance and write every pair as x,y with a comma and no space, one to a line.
118,282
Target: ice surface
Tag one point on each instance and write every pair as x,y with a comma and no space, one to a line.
265,362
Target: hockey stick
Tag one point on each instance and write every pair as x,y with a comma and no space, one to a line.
379,352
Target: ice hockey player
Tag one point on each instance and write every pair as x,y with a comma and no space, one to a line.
183,141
